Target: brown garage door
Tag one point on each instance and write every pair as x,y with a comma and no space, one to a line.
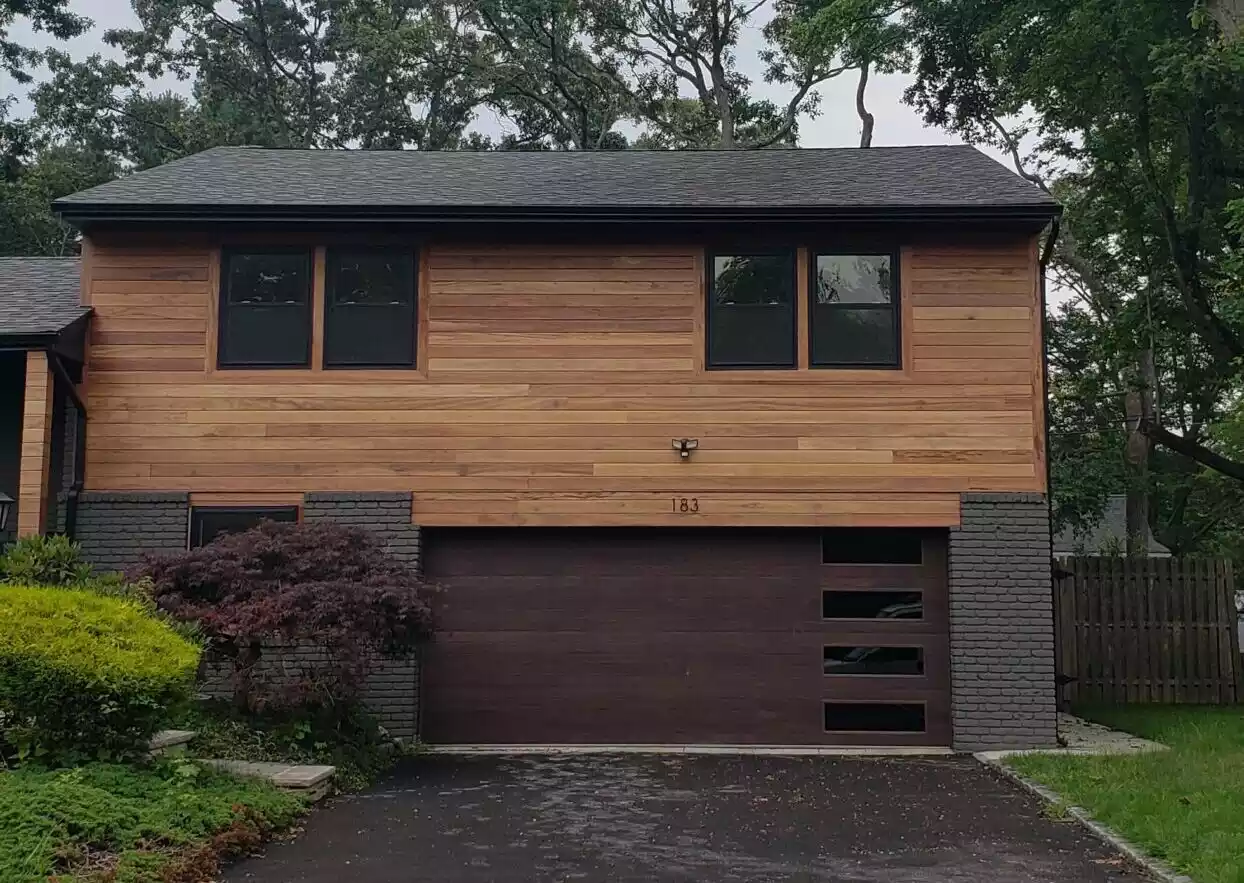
631,636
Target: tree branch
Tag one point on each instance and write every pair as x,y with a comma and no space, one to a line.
1192,450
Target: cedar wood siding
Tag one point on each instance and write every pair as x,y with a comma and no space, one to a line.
550,381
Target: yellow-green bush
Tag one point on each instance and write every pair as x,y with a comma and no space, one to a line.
84,676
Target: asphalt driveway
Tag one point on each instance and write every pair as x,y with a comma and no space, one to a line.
687,818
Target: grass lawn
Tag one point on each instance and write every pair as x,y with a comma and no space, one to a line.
172,822
1185,805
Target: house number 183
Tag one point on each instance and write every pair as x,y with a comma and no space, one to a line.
685,504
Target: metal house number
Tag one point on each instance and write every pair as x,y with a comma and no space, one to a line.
687,505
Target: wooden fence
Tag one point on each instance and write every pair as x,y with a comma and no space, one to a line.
1146,630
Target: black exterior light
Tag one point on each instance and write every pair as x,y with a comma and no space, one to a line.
684,446
6,508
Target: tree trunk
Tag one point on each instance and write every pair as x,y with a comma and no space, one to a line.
1230,16
1139,407
867,120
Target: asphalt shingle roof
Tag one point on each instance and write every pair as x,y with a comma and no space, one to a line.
880,178
39,295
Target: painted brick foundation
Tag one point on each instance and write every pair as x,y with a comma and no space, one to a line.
391,692
385,515
1002,624
114,529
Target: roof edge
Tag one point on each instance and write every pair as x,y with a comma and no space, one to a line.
83,213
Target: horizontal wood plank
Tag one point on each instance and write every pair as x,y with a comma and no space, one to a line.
551,382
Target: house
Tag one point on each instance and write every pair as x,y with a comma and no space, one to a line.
1108,536
707,447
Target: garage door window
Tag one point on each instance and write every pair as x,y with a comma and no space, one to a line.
874,717
866,545
871,605
903,661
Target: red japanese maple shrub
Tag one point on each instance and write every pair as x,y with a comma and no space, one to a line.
327,592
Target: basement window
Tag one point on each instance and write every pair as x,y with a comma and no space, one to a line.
369,318
209,522
751,310
265,309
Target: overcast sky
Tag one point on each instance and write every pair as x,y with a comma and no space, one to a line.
837,125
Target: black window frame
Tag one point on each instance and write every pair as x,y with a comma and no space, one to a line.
223,307
791,255
895,307
408,251
262,512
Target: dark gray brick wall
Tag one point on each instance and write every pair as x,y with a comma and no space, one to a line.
1002,624
114,529
386,515
391,692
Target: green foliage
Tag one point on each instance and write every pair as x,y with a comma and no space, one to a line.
84,676
44,561
1185,805
132,825
345,736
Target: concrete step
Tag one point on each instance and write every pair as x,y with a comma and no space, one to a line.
170,742
311,781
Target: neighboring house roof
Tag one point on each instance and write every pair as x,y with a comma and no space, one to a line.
40,304
921,181
1108,535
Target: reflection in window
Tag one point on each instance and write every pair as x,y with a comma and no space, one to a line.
751,311
847,604
874,661
370,316
854,316
265,309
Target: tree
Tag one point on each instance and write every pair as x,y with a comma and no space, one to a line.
548,78
1147,146
674,45
50,16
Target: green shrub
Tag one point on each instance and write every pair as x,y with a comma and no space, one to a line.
101,822
44,561
346,736
86,676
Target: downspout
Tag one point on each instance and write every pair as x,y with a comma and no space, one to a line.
1055,574
79,445
1046,256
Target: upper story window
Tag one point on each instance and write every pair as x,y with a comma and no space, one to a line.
751,310
265,308
854,311
369,318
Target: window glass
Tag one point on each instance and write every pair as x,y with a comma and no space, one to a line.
854,320
265,309
875,717
874,661
871,545
837,604
370,316
209,522
751,311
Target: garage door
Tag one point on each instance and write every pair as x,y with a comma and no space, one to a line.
642,636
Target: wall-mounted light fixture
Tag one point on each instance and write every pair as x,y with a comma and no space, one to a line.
684,446
6,508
